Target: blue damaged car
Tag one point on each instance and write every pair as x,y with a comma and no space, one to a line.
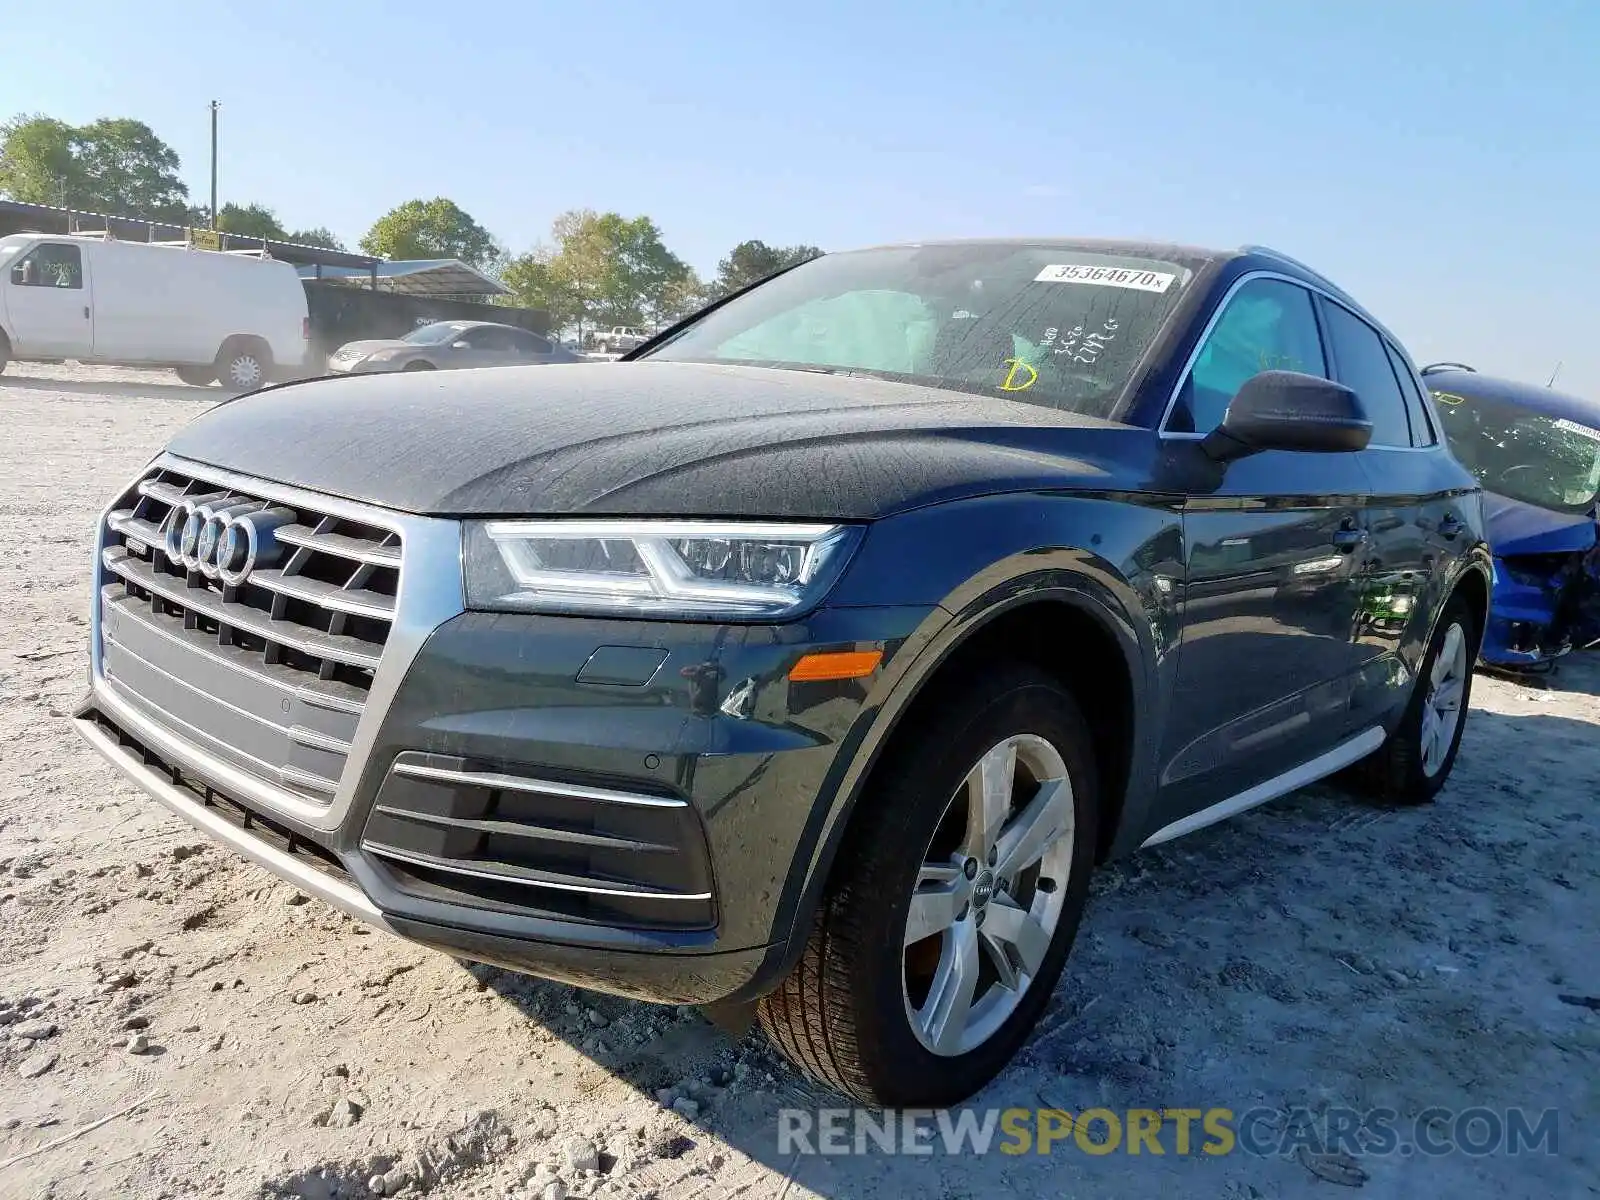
1536,452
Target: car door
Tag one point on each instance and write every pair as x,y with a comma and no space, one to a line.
50,303
1273,571
529,347
486,346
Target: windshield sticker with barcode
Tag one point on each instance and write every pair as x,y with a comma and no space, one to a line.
1581,430
1122,277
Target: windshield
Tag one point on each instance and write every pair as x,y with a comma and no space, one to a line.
1048,325
1528,456
436,334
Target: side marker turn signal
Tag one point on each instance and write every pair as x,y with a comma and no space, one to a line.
841,664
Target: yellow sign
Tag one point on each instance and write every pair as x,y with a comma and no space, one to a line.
1010,384
205,239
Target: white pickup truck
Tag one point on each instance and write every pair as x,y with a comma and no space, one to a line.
618,338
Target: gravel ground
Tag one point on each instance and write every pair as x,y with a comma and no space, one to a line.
238,1040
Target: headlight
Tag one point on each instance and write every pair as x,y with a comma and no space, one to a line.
733,570
378,355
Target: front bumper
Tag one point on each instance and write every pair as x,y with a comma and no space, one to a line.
615,804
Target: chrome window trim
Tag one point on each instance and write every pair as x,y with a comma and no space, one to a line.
430,592
1166,434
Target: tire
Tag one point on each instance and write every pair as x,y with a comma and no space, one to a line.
856,1012
196,376
5,352
243,364
1410,767
417,366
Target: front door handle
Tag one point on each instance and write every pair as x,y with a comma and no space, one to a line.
1348,539
1450,528
85,312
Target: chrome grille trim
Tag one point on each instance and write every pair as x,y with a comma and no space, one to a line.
428,593
519,783
526,878
293,636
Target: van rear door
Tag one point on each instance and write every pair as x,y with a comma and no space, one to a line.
48,299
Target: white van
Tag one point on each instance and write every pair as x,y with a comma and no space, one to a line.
210,314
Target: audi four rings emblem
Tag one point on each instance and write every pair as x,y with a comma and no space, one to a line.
224,537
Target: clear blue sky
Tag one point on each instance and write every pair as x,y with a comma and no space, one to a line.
1438,157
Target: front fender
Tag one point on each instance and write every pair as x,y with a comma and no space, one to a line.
1114,560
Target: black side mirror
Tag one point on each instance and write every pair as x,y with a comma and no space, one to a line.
1286,410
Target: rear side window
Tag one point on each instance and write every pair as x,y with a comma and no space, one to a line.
1363,363
1422,433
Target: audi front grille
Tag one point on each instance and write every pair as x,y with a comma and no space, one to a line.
249,628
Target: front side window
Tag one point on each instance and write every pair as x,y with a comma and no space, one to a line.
487,337
51,264
1529,456
529,343
1042,324
1267,325
1364,367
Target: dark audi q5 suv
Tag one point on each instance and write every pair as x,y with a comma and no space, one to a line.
805,664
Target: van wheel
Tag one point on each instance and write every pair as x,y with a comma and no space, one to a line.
196,376
954,902
5,352
243,363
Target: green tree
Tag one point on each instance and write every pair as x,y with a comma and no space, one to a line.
251,220
320,236
436,228
603,269
37,165
114,165
750,262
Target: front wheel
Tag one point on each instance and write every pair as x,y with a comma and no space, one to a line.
1413,764
954,902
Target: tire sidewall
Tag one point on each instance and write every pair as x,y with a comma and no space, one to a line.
923,791
1421,783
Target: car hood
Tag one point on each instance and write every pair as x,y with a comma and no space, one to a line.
373,345
1516,527
645,438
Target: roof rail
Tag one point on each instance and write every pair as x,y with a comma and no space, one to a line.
1269,252
1447,366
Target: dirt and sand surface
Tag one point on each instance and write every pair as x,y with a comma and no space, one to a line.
1312,956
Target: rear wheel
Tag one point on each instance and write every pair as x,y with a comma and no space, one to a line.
954,902
1413,764
243,363
196,376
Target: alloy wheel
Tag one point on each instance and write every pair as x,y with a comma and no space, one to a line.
1441,711
989,895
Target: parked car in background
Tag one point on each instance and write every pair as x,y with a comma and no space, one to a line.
1536,452
210,314
618,339
449,345
806,666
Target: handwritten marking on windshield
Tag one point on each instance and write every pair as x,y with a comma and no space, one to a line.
1010,384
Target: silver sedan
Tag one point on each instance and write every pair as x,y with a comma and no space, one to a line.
446,345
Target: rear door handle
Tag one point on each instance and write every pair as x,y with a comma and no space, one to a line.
1450,528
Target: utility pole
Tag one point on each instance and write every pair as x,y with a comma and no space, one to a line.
215,105
1553,375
